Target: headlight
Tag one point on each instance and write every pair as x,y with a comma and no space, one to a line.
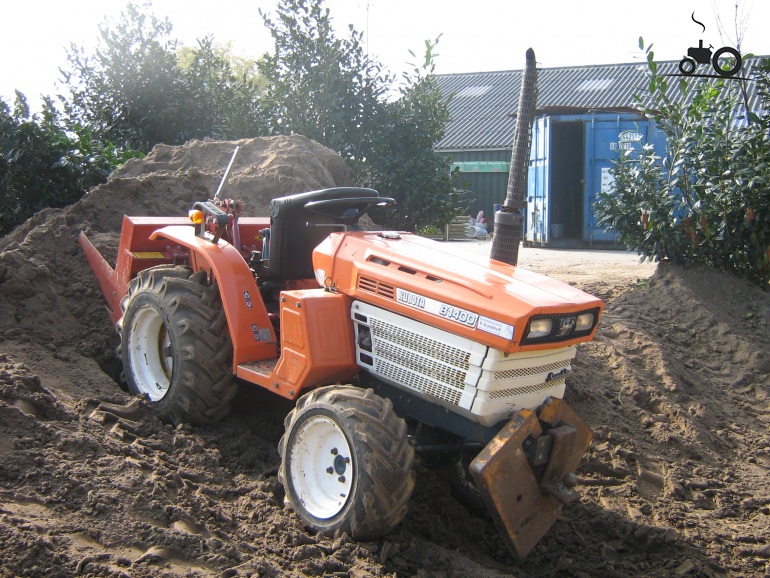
584,322
539,328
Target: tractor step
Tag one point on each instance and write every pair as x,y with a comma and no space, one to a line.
263,369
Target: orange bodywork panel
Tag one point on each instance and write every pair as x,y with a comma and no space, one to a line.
481,299
317,344
250,327
139,250
136,252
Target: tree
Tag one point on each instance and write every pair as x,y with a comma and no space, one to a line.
404,165
139,88
321,86
44,163
329,90
223,91
703,199
130,91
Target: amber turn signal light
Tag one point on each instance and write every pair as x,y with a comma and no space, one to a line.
196,216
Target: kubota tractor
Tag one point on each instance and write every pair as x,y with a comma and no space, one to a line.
390,343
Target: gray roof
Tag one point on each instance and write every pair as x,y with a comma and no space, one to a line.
484,104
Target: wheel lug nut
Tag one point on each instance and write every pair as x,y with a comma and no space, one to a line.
341,479
334,451
330,470
347,460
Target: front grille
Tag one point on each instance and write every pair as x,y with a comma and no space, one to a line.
416,381
455,372
527,389
527,371
521,380
418,361
410,354
413,341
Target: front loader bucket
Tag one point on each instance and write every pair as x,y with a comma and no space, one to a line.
526,472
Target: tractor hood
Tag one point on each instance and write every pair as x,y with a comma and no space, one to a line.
479,298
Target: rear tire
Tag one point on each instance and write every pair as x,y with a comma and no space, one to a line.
175,345
346,463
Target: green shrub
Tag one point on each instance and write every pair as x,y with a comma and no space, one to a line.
705,199
44,164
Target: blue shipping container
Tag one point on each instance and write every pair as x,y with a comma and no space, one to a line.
570,161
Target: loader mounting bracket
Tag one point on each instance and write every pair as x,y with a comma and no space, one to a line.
526,473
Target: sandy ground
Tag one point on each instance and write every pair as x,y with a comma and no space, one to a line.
603,273
675,387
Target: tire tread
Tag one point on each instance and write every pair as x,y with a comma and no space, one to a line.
206,384
386,475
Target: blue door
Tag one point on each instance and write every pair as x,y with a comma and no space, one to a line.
536,221
606,138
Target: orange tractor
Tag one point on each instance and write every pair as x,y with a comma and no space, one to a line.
392,344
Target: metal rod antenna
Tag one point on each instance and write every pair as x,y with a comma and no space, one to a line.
227,172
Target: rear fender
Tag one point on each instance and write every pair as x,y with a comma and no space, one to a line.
250,327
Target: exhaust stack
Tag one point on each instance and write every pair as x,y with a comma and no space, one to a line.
509,220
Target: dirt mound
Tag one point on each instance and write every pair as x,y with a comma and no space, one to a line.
91,483
48,291
676,386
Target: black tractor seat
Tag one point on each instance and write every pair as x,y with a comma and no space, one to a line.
298,224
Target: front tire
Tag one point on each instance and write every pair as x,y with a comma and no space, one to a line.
462,484
175,345
346,463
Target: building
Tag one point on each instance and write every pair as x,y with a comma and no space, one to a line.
585,115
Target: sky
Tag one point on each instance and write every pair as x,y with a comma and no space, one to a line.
476,35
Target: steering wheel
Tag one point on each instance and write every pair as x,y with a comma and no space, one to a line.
347,209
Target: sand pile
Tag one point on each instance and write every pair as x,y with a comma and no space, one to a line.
675,388
48,291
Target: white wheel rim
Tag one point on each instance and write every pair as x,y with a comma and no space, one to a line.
148,344
321,467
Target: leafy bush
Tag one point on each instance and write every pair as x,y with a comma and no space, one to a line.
222,93
130,90
328,89
138,88
320,85
705,198
45,164
405,165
